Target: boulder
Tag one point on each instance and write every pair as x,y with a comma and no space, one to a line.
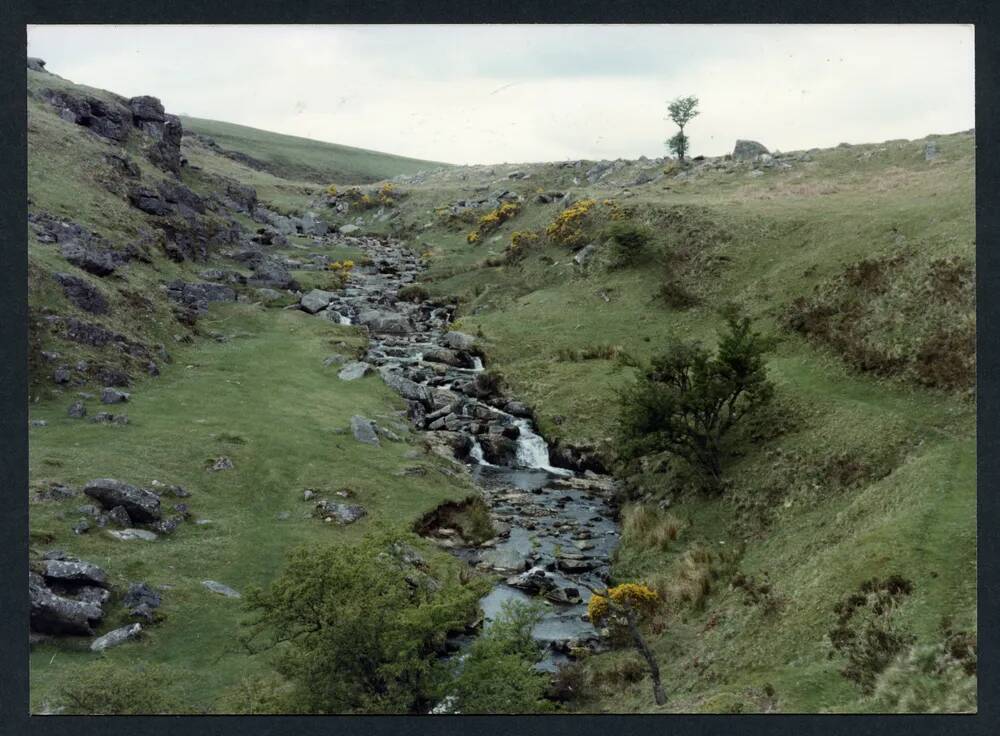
341,513
273,274
348,229
88,258
379,320
748,150
139,594
222,463
334,359
120,516
583,256
220,588
127,535
930,151
36,65
444,355
364,431
74,572
77,410
55,614
316,300
459,340
114,396
146,108
498,449
354,370
116,637
149,201
82,293
107,119
404,386
142,506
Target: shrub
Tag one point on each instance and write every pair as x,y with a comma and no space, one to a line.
493,220
413,293
925,680
257,695
629,242
897,316
331,191
624,608
354,630
687,402
675,295
497,675
566,229
866,633
108,688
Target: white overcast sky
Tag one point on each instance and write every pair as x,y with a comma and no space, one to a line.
495,93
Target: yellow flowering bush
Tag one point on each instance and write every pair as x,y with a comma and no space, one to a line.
331,190
615,212
566,228
637,598
385,194
473,237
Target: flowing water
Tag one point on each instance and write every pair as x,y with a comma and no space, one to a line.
556,532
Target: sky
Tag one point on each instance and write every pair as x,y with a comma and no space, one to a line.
517,93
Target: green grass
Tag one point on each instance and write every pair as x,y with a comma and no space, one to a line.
760,243
266,401
292,157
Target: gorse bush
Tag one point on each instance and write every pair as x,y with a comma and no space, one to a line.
355,629
624,607
629,242
567,228
498,673
687,402
493,220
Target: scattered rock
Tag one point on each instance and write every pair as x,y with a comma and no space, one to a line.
55,614
341,513
140,594
82,293
217,587
75,572
930,151
127,535
335,359
364,431
348,229
316,300
114,396
354,370
88,258
222,463
116,637
77,410
142,505
583,256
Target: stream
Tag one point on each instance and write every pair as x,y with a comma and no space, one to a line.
556,532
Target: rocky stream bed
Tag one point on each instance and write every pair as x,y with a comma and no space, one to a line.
555,527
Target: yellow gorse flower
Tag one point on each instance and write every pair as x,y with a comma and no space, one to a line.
636,597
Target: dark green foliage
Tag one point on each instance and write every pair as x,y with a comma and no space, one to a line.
687,401
629,242
356,628
675,295
897,316
498,675
107,688
679,144
413,293
866,633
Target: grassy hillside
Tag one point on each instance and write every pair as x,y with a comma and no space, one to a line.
858,260
247,380
292,157
869,468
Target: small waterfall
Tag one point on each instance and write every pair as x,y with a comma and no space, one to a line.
477,364
345,320
532,450
476,453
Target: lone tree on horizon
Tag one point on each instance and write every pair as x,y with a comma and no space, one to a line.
682,110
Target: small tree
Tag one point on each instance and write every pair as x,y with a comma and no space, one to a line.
682,110
355,628
688,401
625,607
